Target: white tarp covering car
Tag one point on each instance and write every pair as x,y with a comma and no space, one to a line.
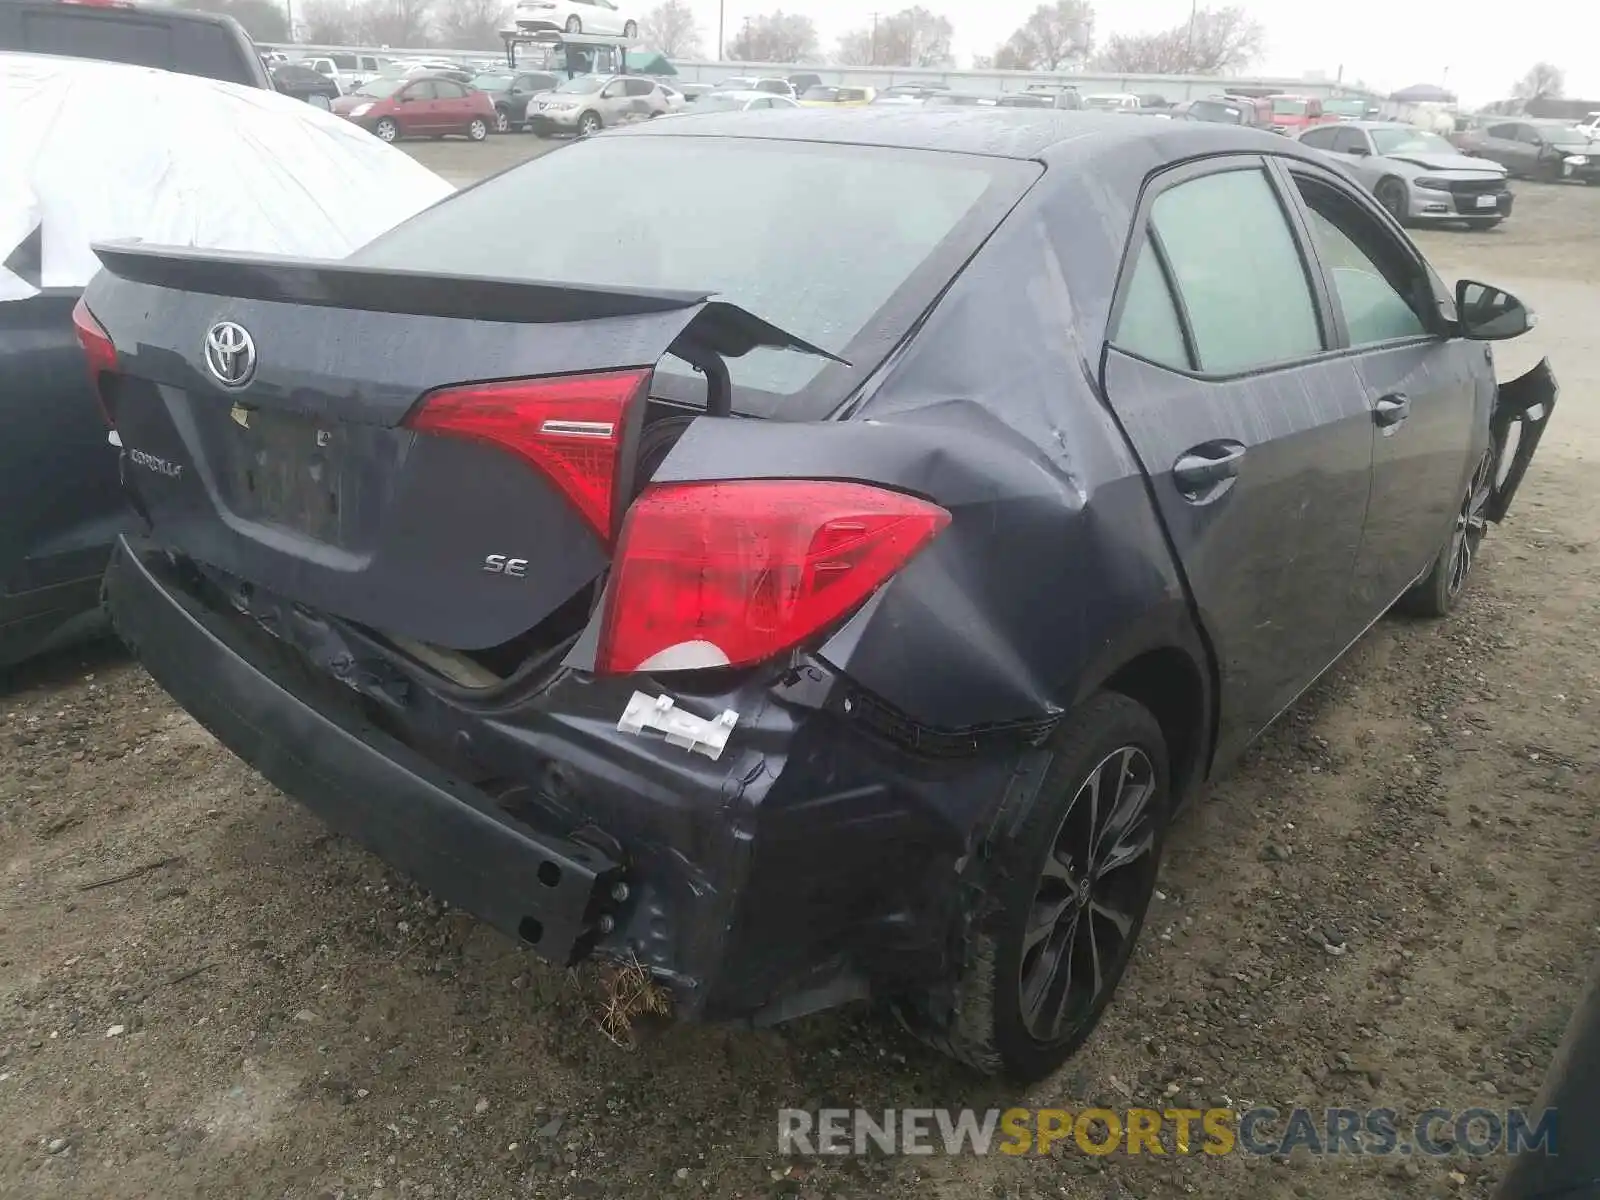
96,150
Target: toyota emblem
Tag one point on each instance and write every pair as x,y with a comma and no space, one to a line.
230,354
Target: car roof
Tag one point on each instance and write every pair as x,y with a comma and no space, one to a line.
1378,125
1044,134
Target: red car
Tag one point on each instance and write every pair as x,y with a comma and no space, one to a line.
1294,114
418,106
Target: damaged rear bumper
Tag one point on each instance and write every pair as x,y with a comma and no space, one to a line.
767,859
550,892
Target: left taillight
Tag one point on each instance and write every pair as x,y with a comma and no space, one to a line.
569,427
739,572
99,353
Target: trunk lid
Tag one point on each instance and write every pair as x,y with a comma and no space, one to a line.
270,417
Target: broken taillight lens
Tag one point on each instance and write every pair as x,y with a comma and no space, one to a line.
735,573
570,427
100,354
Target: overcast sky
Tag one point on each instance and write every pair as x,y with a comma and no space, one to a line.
1477,48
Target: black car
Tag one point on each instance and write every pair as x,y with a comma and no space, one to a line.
60,492
841,605
511,91
303,83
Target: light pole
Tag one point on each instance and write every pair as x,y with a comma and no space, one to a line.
722,16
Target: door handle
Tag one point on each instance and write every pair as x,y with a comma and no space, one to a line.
1205,466
1391,409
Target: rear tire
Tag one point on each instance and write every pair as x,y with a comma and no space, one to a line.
1391,193
1068,890
387,130
478,129
1438,593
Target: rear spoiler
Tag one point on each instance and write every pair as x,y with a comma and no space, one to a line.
723,328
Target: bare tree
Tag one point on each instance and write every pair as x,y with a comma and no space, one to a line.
263,20
671,28
776,37
1057,35
1223,40
330,23
1216,42
400,23
1544,81
913,37
471,24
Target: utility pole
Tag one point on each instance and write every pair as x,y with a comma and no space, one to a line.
289,4
874,39
722,16
1194,11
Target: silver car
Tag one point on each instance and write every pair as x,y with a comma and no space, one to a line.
587,104
1416,175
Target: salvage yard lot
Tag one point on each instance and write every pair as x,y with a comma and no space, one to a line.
1391,904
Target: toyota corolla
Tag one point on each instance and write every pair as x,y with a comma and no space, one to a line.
821,578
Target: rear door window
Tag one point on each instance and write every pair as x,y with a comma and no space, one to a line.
639,87
445,90
1238,268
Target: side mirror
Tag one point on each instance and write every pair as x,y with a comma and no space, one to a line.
1486,314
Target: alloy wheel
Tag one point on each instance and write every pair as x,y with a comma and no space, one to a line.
387,130
1392,196
1470,526
502,122
1091,891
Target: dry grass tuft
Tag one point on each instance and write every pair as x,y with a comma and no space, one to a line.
628,993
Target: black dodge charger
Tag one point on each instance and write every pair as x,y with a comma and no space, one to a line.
820,579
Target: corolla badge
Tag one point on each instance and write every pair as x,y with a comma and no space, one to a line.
230,354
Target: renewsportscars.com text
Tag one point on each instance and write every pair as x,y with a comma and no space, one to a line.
1436,1132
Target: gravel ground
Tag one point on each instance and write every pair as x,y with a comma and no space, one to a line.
1393,902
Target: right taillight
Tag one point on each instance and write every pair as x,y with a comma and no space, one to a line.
735,573
99,353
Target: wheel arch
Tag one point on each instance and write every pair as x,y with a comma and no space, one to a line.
1166,664
1170,684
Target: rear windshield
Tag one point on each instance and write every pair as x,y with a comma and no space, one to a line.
1213,110
582,84
142,39
380,89
840,245
1290,108
820,93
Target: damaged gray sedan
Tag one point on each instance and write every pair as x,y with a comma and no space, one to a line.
822,579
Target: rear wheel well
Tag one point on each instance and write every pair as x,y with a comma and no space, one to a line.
1168,683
